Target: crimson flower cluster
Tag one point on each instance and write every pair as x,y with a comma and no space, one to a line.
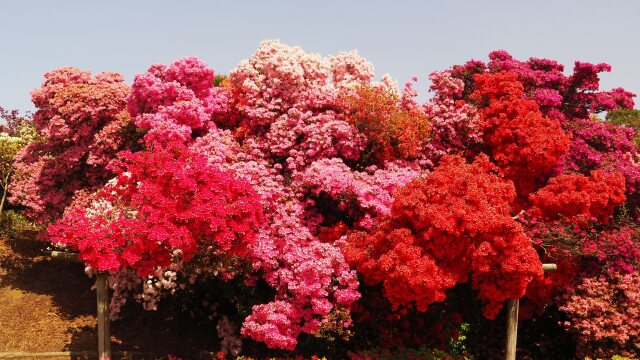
165,204
579,198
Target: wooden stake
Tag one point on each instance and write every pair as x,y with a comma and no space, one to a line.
512,328
513,307
104,328
549,267
65,256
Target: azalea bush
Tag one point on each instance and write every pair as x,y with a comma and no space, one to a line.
337,212
81,124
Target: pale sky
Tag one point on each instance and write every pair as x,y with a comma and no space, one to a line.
403,38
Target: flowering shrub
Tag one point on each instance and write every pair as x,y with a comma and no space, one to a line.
164,204
601,145
626,117
523,142
576,197
391,131
278,78
451,226
604,311
287,182
455,123
176,102
560,96
81,123
14,136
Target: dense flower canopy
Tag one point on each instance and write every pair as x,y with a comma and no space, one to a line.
306,188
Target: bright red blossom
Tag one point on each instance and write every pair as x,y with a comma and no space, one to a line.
580,198
523,142
453,225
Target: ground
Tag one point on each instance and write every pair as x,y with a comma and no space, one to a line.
49,306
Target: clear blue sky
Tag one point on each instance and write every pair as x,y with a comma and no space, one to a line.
403,38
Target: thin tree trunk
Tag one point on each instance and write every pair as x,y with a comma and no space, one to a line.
4,198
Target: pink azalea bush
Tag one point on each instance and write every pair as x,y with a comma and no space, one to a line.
82,122
604,310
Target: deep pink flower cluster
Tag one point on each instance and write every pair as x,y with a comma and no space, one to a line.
164,206
176,102
601,145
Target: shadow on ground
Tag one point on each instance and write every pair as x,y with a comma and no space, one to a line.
48,305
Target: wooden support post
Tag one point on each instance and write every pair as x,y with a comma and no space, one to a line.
512,328
513,307
104,328
102,297
65,256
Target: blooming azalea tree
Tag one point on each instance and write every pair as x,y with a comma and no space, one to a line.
311,191
451,226
165,205
81,123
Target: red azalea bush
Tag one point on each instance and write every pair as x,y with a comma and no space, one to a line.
521,140
579,198
452,226
164,204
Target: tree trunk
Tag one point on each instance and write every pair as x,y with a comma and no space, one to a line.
4,198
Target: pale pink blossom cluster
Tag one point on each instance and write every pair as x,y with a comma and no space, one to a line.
455,124
371,189
306,273
279,77
304,137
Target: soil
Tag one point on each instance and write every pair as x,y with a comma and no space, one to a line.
49,305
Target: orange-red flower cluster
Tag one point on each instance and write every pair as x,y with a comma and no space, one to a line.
452,226
521,140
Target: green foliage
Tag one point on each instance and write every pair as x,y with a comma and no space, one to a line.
23,133
458,346
219,80
627,117
16,226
